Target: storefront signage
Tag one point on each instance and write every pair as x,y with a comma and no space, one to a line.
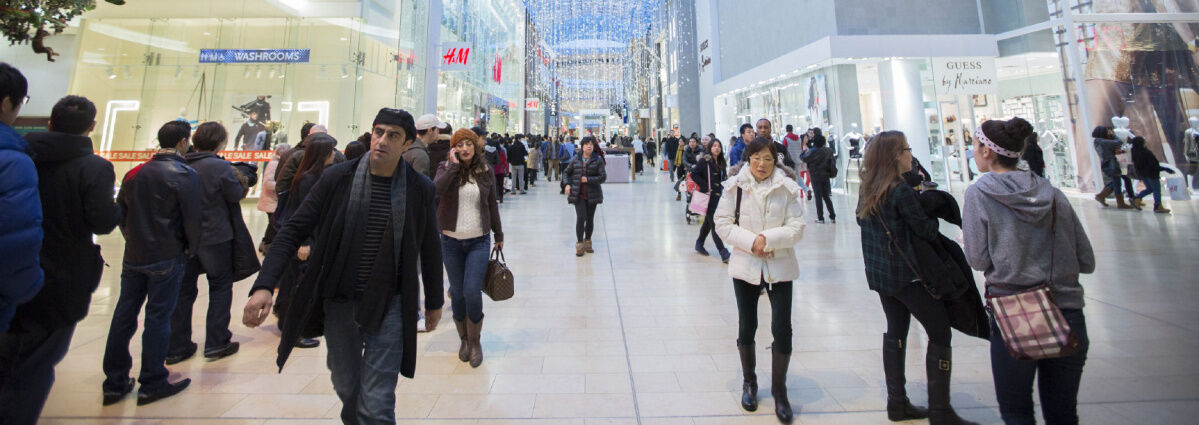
455,56
254,56
142,156
965,75
532,104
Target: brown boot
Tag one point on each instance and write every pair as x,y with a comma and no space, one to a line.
1101,197
473,329
578,249
464,347
1136,202
1161,210
587,247
1121,204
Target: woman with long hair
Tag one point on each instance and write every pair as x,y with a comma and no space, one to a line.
709,175
318,154
584,175
467,214
1021,232
891,216
269,200
763,221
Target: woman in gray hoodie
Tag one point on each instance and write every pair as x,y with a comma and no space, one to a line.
1008,220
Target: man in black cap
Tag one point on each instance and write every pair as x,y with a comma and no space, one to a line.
374,220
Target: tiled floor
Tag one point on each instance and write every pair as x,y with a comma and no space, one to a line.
642,332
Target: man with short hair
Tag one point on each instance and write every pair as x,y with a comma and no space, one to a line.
373,221
670,148
220,191
21,230
427,130
160,219
765,130
517,154
76,188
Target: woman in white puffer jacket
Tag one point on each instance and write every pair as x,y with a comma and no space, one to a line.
761,217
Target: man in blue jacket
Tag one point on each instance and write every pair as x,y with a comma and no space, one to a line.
20,207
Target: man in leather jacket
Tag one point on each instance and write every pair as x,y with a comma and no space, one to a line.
160,204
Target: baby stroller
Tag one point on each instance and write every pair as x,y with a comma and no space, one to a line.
689,187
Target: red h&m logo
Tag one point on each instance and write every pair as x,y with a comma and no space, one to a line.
497,69
456,56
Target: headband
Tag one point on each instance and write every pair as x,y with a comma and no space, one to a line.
978,134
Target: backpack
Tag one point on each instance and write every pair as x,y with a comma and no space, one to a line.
832,166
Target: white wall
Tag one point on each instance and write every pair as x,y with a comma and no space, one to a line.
48,81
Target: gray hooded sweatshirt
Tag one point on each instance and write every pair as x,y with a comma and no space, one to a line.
1006,230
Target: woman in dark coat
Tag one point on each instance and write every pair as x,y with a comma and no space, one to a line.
709,175
584,175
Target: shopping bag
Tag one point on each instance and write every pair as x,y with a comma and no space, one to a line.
1177,185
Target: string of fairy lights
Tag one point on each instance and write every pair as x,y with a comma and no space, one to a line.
586,52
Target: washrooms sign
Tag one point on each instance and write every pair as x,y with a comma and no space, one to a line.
965,75
254,56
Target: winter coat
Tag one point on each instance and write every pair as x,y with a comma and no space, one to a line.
218,188
77,199
517,154
1106,149
770,208
1006,226
417,156
819,162
707,173
594,170
438,151
160,210
447,187
20,225
534,160
886,270
269,200
1146,164
691,156
736,151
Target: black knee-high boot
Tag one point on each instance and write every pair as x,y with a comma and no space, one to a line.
778,385
938,364
749,386
899,408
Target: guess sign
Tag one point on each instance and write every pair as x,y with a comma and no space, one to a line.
455,56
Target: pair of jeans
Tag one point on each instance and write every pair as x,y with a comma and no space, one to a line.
709,224
27,361
466,264
1057,379
215,261
584,219
780,312
156,285
822,188
914,300
518,178
1152,186
364,367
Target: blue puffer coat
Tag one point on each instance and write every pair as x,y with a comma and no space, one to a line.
20,225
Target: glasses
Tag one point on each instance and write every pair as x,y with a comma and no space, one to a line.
906,150
761,159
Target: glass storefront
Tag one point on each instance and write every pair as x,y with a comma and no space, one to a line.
491,92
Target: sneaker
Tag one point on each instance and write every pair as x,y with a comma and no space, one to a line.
111,398
820,221
221,352
170,390
420,325
182,355
308,343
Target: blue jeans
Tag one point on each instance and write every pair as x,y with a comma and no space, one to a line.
216,261
1058,381
466,264
157,285
27,363
1154,187
364,367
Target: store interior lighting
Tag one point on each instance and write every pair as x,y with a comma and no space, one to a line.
112,75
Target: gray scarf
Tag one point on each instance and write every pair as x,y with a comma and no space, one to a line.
359,204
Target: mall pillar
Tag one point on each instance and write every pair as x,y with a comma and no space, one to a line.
903,103
432,57
688,69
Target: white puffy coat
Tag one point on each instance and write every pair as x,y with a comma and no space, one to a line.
770,208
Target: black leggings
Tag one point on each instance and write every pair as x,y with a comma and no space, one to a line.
913,300
709,225
822,188
780,312
584,219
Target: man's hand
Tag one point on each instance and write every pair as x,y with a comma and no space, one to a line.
257,308
303,253
431,319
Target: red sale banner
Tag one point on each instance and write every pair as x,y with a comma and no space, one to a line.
142,156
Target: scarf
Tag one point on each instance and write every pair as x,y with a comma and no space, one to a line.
358,205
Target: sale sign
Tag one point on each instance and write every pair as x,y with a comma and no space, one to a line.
455,56
143,156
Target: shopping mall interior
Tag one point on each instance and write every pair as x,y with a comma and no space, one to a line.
636,326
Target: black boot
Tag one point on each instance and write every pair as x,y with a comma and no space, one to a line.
778,385
937,364
749,388
899,408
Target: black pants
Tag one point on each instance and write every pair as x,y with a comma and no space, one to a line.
913,300
822,188
639,161
709,225
272,227
584,219
499,187
780,312
216,262
27,363
530,177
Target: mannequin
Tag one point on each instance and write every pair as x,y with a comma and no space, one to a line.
854,139
1120,126
1192,141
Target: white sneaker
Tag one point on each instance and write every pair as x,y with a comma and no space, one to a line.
420,325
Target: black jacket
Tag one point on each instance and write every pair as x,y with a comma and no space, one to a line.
76,191
517,154
707,172
160,205
322,216
819,161
439,152
1145,163
219,187
669,147
594,170
691,156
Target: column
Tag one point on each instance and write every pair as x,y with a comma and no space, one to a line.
903,103
432,57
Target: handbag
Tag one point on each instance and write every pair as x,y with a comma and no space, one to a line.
1030,322
498,283
699,200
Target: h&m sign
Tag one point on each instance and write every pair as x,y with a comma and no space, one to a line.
455,56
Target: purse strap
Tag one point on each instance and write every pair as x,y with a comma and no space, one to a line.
737,211
902,254
498,254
